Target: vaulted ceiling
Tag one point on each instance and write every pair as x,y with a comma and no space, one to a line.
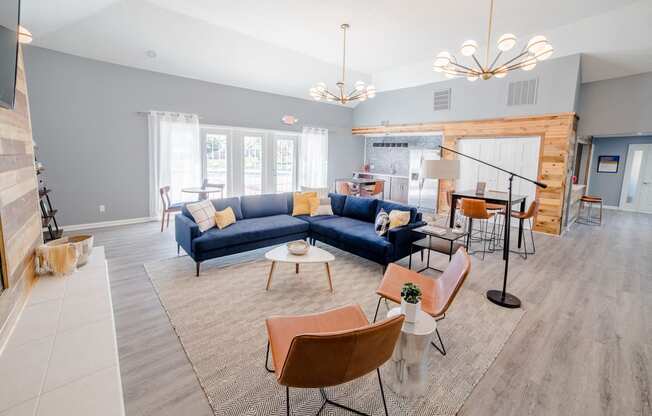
285,46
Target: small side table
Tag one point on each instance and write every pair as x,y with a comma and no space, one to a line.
445,242
408,365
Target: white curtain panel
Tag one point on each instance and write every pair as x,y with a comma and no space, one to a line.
313,157
174,156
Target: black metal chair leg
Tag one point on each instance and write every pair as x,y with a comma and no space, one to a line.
382,392
197,263
377,307
267,360
287,401
441,350
534,248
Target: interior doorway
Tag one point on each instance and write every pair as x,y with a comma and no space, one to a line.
636,193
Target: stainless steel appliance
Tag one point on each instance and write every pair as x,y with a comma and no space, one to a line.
422,193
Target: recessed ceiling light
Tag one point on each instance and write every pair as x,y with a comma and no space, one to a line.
151,53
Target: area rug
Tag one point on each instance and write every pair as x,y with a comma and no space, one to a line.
219,318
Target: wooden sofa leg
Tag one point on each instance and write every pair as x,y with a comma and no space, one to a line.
197,263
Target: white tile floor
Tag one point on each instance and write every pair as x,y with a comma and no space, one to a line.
62,357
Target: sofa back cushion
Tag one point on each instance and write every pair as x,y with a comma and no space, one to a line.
337,203
389,206
363,209
256,206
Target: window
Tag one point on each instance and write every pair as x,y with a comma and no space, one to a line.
253,165
285,165
216,159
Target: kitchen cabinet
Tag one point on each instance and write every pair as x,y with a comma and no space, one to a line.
399,189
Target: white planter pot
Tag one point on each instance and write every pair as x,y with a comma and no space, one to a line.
410,310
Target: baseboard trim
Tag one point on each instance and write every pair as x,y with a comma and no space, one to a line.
105,224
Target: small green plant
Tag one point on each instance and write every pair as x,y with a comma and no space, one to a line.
411,293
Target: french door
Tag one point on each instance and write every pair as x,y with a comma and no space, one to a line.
250,162
636,193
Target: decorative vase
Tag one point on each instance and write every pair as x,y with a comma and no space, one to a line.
410,310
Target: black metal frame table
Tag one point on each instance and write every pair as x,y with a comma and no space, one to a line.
440,244
492,197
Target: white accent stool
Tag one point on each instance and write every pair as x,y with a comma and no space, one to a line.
406,374
281,254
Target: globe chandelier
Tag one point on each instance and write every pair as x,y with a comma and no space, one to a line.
360,91
537,49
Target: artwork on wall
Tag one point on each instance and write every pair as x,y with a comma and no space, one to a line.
608,164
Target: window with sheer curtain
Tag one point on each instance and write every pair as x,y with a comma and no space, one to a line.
313,157
175,156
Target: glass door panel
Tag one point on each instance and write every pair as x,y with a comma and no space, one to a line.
216,159
284,164
253,164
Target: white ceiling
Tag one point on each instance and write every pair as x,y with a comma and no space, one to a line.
285,46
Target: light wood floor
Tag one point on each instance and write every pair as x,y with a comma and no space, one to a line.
584,346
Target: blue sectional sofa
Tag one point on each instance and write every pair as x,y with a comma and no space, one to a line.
266,220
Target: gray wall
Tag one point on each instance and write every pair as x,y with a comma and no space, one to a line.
608,185
94,144
476,100
619,106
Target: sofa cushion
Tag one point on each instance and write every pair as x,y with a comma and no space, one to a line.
363,237
360,208
256,206
234,203
337,203
332,227
248,231
311,219
393,206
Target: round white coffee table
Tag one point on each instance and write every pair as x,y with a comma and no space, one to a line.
281,254
408,365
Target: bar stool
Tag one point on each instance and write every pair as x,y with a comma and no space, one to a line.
590,200
476,209
529,215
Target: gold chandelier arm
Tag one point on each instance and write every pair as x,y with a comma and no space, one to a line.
465,69
491,67
520,55
344,27
327,94
480,68
491,21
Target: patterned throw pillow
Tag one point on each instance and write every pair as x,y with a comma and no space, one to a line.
382,223
203,212
320,207
398,218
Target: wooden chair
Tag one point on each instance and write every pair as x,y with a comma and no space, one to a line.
168,207
328,349
377,189
437,293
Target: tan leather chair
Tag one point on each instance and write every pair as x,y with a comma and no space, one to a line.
531,216
344,188
476,209
329,348
437,293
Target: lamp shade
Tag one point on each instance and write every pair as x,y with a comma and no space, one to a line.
440,169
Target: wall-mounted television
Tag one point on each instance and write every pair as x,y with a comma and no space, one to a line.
9,21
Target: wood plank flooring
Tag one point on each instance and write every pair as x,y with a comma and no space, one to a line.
584,347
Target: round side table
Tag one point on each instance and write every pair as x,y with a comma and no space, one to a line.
408,365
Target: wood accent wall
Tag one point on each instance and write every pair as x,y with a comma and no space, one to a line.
557,133
20,220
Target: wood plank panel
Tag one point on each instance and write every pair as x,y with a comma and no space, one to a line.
557,131
20,221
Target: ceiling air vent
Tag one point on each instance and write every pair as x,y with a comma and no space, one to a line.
523,92
442,100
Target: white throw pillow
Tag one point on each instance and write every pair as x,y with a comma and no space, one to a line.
323,209
203,212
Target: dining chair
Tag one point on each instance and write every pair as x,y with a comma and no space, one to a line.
328,349
168,206
376,189
344,188
476,209
437,293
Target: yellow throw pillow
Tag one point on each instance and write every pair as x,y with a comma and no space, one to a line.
398,218
302,203
224,218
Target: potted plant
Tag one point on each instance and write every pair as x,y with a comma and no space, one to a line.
410,301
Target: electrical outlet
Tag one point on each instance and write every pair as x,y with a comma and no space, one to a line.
102,209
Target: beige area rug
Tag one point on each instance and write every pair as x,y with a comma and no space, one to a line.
219,318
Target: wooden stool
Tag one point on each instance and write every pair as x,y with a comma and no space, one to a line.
590,200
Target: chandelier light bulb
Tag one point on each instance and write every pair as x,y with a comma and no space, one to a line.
501,72
371,91
24,35
506,42
469,47
442,59
537,44
545,52
529,64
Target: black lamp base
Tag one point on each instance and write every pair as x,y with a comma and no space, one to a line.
506,301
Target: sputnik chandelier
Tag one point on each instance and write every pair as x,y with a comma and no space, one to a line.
537,49
360,91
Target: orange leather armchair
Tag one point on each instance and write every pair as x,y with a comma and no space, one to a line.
329,348
437,293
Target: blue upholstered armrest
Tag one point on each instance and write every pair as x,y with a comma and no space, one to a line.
402,238
185,230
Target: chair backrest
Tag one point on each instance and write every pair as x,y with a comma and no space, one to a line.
450,282
533,210
165,196
343,188
378,187
207,184
329,359
474,208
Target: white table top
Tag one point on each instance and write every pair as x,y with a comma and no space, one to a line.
425,324
200,190
314,255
